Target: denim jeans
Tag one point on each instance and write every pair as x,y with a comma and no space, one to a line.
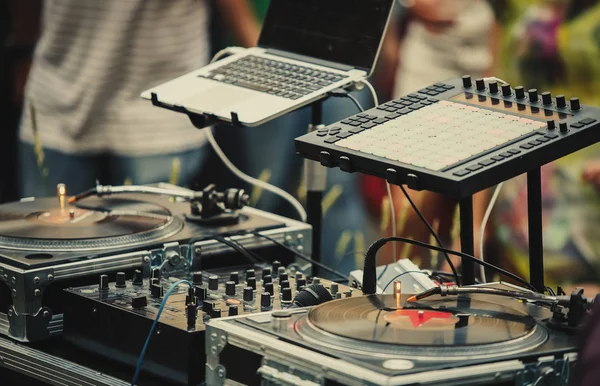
80,172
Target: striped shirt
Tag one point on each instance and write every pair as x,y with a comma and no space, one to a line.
93,60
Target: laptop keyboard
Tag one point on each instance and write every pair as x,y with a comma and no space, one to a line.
274,77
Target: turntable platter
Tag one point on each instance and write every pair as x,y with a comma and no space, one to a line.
40,225
442,327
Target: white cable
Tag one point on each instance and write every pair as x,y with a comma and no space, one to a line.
372,89
237,172
253,181
393,214
486,217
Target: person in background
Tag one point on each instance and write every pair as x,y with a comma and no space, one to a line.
83,118
430,41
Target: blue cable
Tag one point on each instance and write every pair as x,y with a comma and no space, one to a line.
138,367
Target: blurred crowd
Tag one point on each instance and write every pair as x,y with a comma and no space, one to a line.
78,67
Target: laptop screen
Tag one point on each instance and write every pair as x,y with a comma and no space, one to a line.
341,31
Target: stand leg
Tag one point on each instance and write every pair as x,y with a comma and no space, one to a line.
534,213
467,242
315,177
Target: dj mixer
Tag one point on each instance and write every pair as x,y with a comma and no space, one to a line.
456,137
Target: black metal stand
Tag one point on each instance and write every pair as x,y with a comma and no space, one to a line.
467,242
315,177
534,214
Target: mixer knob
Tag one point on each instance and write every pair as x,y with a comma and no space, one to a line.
281,271
233,311
139,301
338,295
103,285
299,275
561,101
519,92
286,294
265,300
213,283
316,280
284,284
547,98
138,278
575,106
269,288
154,281
506,90
300,283
250,273
267,279
248,294
493,85
283,276
334,288
252,283
155,274
275,267
266,272
533,95
480,84
550,124
120,280
234,277
230,288
216,313
564,128
466,81
197,278
156,290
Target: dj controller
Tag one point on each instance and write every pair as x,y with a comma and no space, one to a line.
193,288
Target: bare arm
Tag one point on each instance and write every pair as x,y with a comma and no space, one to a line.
241,20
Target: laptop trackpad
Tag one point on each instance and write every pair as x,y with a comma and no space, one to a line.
214,98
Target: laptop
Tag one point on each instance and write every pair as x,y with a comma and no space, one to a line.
306,49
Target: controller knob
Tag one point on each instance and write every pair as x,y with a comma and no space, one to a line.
466,81
506,90
575,105
234,277
519,92
561,101
275,267
213,283
269,288
120,282
480,84
197,278
493,85
286,294
103,285
551,124
250,273
563,127
139,301
233,311
230,288
138,278
265,299
533,95
547,98
248,294
252,283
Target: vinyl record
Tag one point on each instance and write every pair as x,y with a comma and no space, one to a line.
442,327
96,224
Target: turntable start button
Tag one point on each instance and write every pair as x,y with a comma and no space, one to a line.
398,364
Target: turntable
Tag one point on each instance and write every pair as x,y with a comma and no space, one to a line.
470,339
48,244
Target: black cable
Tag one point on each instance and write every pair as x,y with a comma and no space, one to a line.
370,277
437,239
400,275
254,254
238,248
302,256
